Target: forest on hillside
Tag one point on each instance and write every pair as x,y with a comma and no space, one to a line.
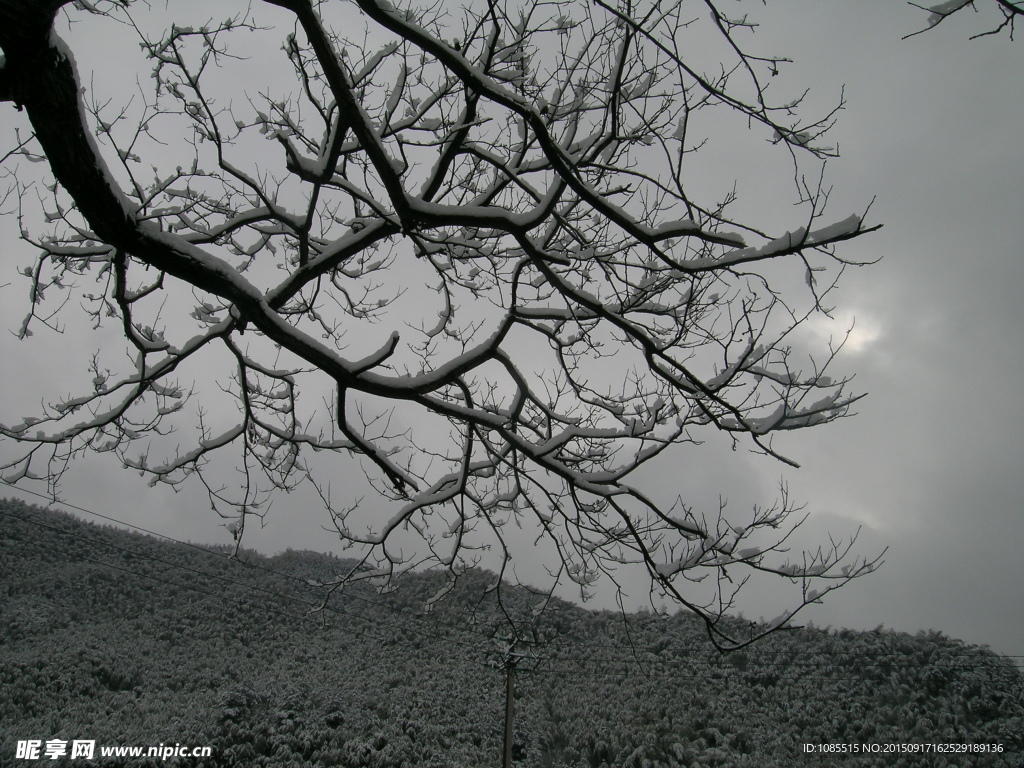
126,639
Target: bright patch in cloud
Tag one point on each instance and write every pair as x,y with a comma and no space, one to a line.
863,330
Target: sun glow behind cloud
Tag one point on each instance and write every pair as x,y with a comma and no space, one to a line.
859,329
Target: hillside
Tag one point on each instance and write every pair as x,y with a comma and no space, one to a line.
129,640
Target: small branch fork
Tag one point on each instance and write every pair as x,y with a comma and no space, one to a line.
473,264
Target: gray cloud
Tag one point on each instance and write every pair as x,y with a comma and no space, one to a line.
931,466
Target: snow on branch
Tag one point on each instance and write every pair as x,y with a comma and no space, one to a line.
449,271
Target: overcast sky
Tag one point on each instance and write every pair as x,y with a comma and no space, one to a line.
932,467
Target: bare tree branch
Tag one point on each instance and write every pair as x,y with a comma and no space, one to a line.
473,262
940,12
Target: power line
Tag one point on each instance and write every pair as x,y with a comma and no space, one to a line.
703,670
207,575
266,569
261,606
152,577
583,666
625,672
631,658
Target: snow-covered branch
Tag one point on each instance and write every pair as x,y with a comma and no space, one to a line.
462,256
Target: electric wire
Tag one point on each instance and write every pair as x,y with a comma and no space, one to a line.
293,598
260,606
257,566
584,665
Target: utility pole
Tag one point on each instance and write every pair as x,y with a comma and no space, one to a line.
510,695
508,661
